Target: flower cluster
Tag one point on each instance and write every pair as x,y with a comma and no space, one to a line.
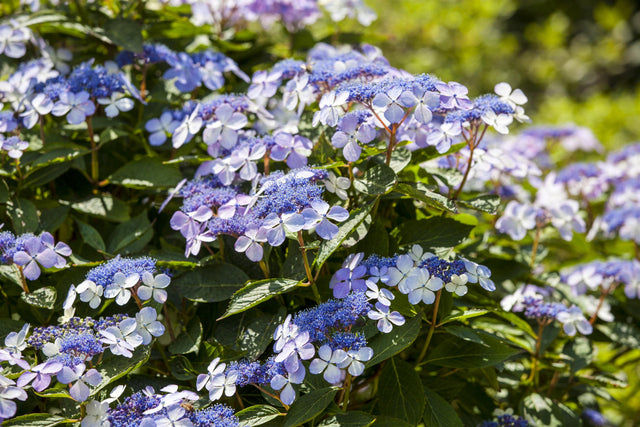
31,253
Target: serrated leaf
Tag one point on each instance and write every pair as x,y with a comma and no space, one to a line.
399,387
420,191
327,247
213,283
114,367
377,180
103,206
91,236
146,174
387,345
348,419
400,158
488,203
433,232
458,353
24,216
438,412
189,339
542,411
36,420
468,314
41,298
131,236
257,292
257,415
309,406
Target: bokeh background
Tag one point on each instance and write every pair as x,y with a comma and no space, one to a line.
578,61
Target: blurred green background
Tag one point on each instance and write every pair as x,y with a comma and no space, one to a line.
578,61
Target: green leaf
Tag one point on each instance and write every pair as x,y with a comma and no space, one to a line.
52,219
213,283
125,32
181,368
309,406
458,353
24,216
400,158
380,179
257,292
103,206
387,345
420,191
91,236
542,411
257,415
44,175
55,155
433,232
131,236
462,315
41,298
391,422
189,339
399,387
146,174
257,335
327,247
36,420
580,351
488,203
438,412
115,367
621,333
348,419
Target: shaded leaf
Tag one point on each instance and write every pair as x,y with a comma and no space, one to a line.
115,367
131,236
348,419
125,32
146,173
433,232
377,180
24,216
488,203
386,345
103,206
213,283
309,406
91,236
189,339
421,191
542,411
398,386
37,420
458,353
41,298
257,292
257,415
438,412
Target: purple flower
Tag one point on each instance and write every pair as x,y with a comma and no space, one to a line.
330,108
115,104
120,287
90,292
385,319
123,339
280,382
327,364
350,132
317,216
14,146
35,253
8,392
187,129
12,41
264,84
225,169
383,295
249,243
185,72
393,102
61,249
159,128
426,101
573,320
294,350
275,226
454,95
40,375
147,325
247,156
189,224
444,136
421,287
349,277
517,219
354,359
154,287
295,149
229,209
195,242
225,128
81,379
78,105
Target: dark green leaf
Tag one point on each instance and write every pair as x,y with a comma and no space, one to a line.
391,422
41,298
146,173
458,353
45,175
399,388
257,292
421,191
400,158
103,206
131,236
257,415
386,345
348,419
24,216
125,32
189,339
542,411
52,219
309,406
327,247
213,283
181,368
580,351
115,367
488,203
257,335
462,315
434,232
380,179
621,333
91,236
36,420
438,412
